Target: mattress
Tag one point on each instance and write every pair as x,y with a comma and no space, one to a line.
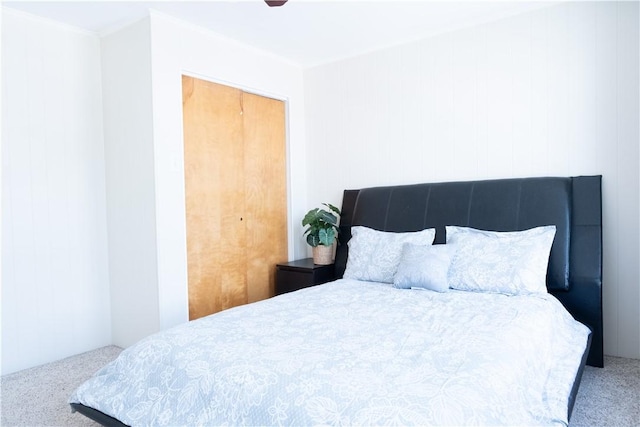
352,353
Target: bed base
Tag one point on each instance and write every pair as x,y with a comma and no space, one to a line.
97,416
578,379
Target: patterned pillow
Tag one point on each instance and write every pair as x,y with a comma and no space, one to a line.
424,267
374,255
509,263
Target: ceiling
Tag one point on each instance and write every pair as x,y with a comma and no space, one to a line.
303,32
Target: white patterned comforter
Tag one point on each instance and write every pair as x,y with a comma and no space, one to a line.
352,353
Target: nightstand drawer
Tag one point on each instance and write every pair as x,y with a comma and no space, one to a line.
299,274
287,281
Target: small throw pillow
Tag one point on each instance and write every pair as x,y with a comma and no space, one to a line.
374,255
509,263
424,267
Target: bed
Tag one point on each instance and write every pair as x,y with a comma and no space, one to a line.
387,342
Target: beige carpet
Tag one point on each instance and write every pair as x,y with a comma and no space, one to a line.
609,396
38,396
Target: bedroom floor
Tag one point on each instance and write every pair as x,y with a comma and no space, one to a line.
607,397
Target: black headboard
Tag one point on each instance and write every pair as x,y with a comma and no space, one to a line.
573,205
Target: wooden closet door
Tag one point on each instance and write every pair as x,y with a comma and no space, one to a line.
214,196
265,192
235,193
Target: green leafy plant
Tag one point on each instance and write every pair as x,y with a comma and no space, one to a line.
322,225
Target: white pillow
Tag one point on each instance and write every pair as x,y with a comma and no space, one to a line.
424,267
509,263
374,255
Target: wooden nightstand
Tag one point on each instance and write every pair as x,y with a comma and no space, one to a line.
302,273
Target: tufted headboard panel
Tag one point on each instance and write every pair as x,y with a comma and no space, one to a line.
572,204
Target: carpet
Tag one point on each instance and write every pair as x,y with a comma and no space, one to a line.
38,396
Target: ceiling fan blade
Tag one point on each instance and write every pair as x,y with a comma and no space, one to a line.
275,3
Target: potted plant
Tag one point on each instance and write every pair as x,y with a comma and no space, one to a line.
322,231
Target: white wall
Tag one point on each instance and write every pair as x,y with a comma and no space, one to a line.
549,92
131,205
179,48
55,283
